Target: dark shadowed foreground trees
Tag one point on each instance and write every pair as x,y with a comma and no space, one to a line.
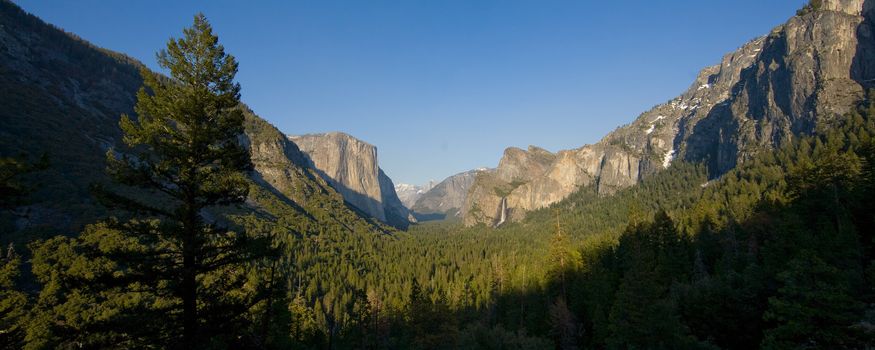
166,270
13,301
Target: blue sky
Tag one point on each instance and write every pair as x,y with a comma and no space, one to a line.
443,86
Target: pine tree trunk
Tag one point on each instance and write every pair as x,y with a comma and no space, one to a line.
189,273
189,297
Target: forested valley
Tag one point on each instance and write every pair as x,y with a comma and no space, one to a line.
182,244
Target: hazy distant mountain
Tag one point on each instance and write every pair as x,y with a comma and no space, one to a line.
448,196
351,167
815,66
410,193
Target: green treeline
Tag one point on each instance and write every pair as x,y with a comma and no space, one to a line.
777,253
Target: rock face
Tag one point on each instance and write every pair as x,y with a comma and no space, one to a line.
350,166
409,194
448,196
815,66
281,166
53,103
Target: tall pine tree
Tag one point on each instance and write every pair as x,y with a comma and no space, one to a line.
168,271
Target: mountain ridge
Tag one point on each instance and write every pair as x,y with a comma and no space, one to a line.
65,97
409,193
446,197
729,111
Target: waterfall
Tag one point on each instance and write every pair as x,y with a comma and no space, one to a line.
503,212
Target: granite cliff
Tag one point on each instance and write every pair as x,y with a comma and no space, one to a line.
350,166
815,66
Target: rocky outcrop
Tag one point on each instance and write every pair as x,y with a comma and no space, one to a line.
448,196
280,166
350,166
806,71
